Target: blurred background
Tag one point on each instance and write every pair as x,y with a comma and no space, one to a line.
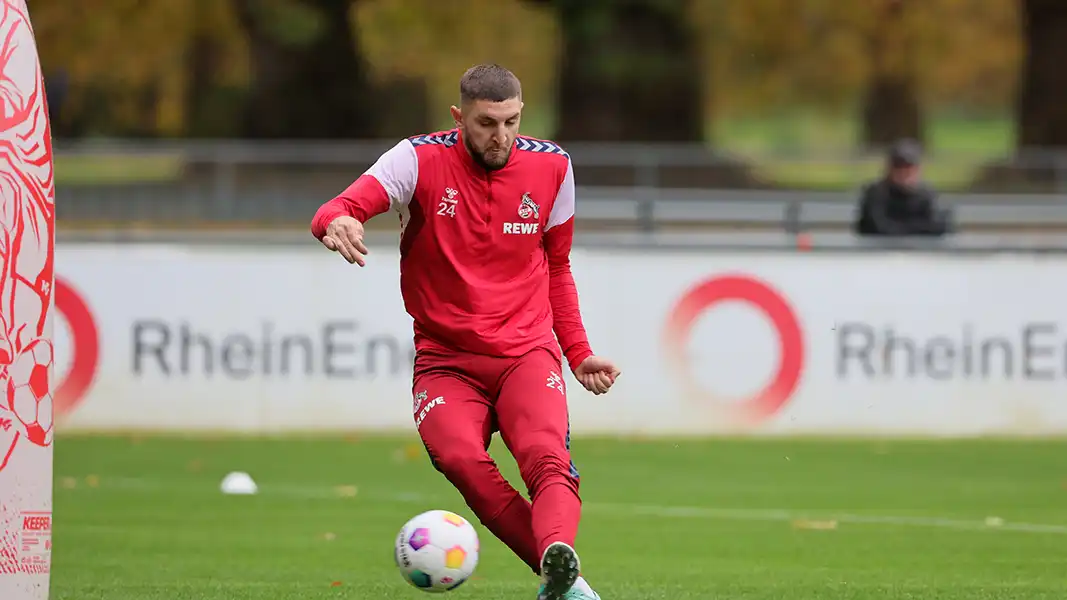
252,111
872,194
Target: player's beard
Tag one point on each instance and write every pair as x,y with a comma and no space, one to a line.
483,161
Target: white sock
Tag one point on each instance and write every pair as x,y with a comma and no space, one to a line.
582,586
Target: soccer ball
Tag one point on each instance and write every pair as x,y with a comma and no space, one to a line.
437,551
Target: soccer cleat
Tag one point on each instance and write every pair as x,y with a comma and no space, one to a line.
580,591
559,570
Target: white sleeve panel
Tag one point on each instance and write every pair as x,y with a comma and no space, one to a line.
563,208
398,172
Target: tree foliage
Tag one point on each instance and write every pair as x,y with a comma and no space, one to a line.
770,54
629,71
436,40
131,67
309,78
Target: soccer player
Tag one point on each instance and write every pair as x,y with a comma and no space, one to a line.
487,219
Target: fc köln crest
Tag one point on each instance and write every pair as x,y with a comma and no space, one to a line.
528,208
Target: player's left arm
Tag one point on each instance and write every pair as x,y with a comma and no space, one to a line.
594,373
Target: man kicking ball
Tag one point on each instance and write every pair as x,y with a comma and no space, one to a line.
487,220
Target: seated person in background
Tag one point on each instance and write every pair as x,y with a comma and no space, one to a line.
900,204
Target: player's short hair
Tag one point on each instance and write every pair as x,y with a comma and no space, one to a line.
489,82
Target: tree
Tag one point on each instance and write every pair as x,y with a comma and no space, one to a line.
115,59
308,77
1041,121
1041,109
891,108
629,70
207,110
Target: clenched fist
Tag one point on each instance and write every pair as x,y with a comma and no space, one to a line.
596,374
344,235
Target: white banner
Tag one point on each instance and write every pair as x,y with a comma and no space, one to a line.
27,245
283,338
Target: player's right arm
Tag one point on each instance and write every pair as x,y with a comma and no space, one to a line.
387,185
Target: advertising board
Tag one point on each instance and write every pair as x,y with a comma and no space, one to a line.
286,338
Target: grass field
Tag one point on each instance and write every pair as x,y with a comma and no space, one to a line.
141,519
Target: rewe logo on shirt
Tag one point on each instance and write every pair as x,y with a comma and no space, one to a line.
521,228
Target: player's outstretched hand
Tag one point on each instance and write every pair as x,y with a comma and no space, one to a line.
344,235
596,374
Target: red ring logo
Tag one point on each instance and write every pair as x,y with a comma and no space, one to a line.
85,348
702,297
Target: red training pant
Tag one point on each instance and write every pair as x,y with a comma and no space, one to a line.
461,400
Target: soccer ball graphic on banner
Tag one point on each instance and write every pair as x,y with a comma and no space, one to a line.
437,551
28,395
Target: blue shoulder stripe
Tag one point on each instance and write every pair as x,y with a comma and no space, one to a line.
444,139
532,145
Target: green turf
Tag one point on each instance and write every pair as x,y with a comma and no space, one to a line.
118,168
809,151
140,519
798,132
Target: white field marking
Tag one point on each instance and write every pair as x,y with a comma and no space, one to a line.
276,489
781,514
324,492
144,485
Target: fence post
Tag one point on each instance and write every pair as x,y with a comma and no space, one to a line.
791,217
647,179
1059,167
225,184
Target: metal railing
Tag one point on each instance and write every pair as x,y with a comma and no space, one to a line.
637,187
705,242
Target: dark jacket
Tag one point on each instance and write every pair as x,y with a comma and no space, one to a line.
888,209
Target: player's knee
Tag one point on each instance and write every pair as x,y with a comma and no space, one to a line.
543,458
460,464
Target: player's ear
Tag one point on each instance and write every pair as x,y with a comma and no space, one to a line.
457,116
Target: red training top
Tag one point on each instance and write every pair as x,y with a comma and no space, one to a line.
484,255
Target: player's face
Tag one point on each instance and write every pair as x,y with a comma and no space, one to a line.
489,130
